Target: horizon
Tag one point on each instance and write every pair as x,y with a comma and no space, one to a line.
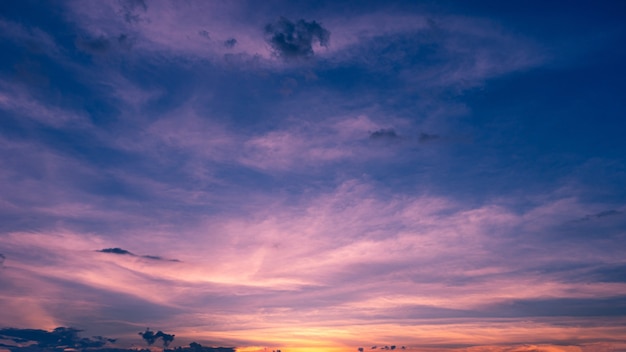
446,176
72,339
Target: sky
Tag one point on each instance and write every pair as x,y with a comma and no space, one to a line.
316,175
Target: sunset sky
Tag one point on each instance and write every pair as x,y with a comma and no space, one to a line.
316,175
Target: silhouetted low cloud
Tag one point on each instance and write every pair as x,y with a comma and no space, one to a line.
196,347
387,348
2,258
61,336
291,40
150,337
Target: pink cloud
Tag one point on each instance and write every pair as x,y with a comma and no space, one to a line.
320,265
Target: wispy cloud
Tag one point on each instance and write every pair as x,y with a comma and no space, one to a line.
34,38
321,174
341,257
17,100
120,251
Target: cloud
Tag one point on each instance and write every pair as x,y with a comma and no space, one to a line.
606,213
156,257
131,8
426,137
384,134
606,273
204,33
33,39
61,336
196,347
121,251
2,258
103,45
64,338
342,253
95,46
23,101
571,307
600,215
116,251
291,40
230,43
307,143
150,337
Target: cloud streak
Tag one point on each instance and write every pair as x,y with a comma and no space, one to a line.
120,251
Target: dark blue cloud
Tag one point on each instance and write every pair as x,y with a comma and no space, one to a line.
62,338
600,215
230,43
49,340
384,134
104,45
120,251
294,40
428,137
116,251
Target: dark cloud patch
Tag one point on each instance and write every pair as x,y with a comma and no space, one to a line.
386,348
150,337
116,251
100,45
121,251
104,45
2,258
427,137
153,257
291,40
62,338
156,257
59,337
230,43
196,347
606,213
124,41
600,215
203,33
384,134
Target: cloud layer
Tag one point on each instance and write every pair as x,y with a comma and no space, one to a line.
326,176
